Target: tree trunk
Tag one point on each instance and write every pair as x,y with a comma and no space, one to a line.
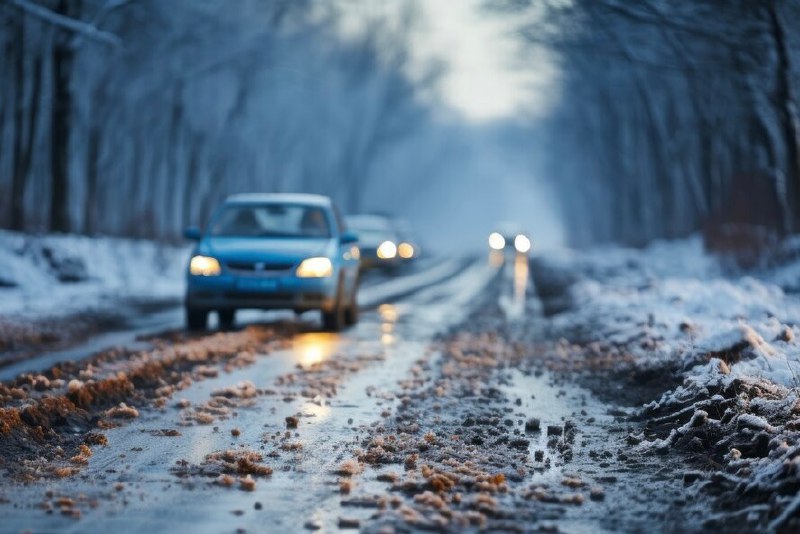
18,176
92,174
790,123
190,184
62,61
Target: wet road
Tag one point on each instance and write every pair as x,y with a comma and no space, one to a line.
392,334
343,393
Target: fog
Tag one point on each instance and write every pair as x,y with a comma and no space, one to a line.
583,121
473,178
415,109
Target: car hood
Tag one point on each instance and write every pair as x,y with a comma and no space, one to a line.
264,249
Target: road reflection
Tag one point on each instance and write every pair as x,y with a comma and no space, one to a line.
321,410
496,258
314,347
516,270
388,314
520,280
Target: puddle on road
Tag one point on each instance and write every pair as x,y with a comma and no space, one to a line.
598,456
551,405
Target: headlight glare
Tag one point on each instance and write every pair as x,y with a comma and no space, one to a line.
204,266
497,241
319,267
405,250
522,244
387,250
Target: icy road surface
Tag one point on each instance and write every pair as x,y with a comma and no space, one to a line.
431,414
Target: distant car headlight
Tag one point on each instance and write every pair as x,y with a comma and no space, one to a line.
204,266
496,241
522,244
405,250
387,250
320,267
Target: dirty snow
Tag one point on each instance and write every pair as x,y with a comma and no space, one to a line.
722,347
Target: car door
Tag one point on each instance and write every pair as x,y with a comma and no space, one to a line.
346,256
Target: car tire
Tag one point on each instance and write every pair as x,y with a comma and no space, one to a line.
334,320
351,313
226,319
196,319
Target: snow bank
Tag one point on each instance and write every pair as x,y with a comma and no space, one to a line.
731,341
60,274
673,300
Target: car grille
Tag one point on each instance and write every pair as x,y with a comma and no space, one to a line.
253,267
260,297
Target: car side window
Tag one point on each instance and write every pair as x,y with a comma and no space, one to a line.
339,220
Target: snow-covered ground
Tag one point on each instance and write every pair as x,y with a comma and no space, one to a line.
724,348
57,275
672,298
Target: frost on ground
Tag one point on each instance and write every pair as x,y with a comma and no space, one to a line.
714,359
46,279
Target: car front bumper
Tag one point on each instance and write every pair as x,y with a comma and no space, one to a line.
264,293
370,259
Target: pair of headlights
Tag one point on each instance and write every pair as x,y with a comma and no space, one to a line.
521,242
319,267
388,250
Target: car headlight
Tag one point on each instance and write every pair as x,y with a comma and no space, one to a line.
405,250
387,250
496,241
320,267
204,266
522,244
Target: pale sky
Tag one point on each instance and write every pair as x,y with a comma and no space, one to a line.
488,76
489,79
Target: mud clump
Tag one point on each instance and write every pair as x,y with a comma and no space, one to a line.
349,523
222,465
247,483
123,411
533,425
350,467
46,417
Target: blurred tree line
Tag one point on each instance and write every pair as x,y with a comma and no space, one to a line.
135,117
674,116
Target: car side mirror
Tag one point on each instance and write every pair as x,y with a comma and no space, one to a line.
193,233
348,238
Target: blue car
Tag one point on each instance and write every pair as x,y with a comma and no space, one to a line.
273,251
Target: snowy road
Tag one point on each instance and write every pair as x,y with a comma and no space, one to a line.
140,321
433,413
392,336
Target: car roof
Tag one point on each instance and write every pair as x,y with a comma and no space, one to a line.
368,222
282,198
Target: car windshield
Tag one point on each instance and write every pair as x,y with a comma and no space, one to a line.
271,220
372,236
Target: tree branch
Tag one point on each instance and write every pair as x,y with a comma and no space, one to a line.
67,23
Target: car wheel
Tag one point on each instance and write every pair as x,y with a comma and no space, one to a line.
226,318
196,319
334,320
351,314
